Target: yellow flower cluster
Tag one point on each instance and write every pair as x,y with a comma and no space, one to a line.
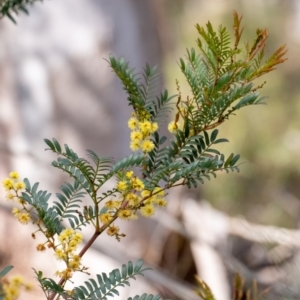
69,240
141,132
152,199
12,287
129,188
13,188
134,198
11,184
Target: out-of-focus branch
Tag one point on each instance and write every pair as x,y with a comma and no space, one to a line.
264,233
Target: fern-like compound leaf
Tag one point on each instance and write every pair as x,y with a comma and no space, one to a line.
106,284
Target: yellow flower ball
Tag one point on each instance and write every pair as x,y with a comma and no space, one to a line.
122,185
133,123
147,146
23,218
135,145
19,185
172,127
14,175
153,127
136,136
148,210
8,184
125,214
145,127
105,218
113,230
129,174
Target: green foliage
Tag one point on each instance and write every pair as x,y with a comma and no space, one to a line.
67,206
221,80
10,7
39,200
189,157
142,96
188,160
48,285
90,178
221,75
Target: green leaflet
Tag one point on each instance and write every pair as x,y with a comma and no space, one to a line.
5,271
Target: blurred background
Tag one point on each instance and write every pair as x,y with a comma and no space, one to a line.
55,82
